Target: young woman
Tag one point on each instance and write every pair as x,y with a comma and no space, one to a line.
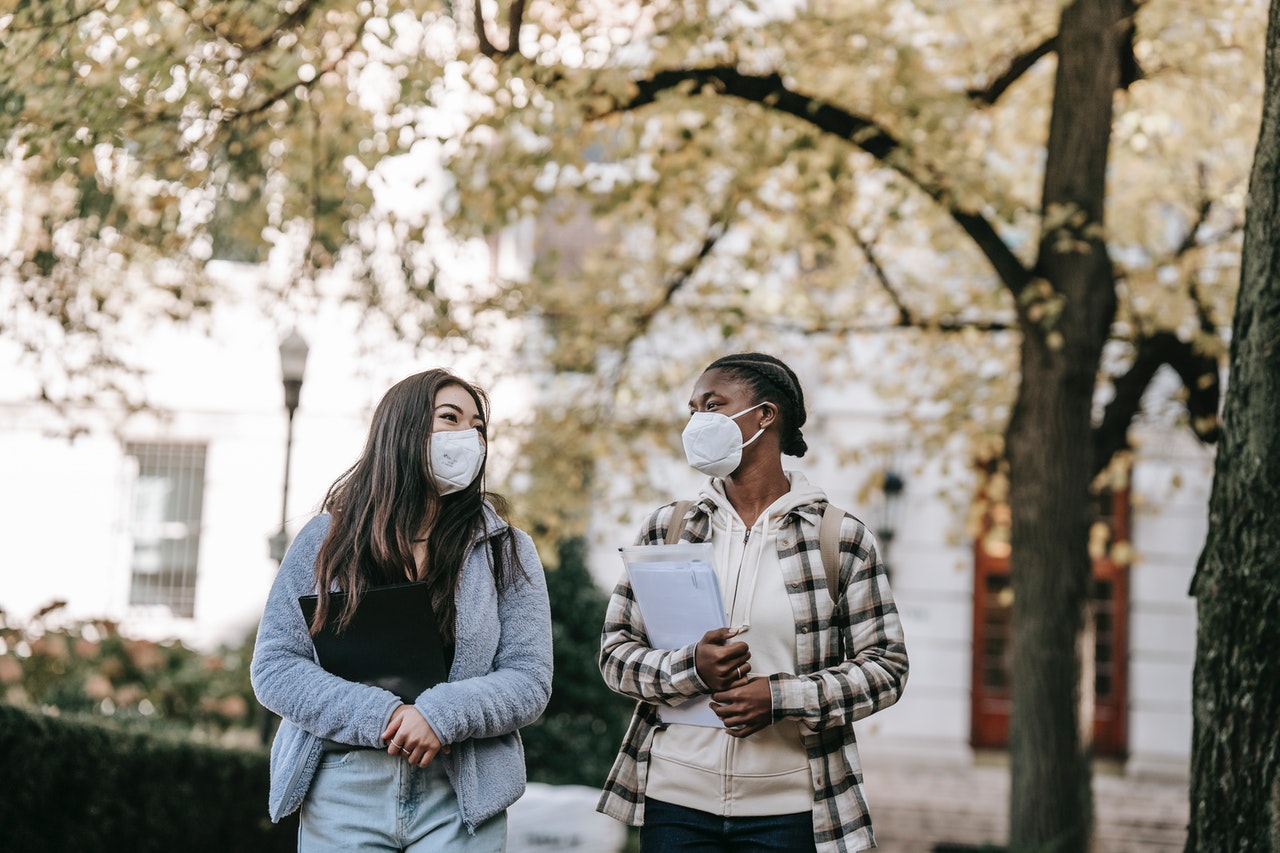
369,771
799,665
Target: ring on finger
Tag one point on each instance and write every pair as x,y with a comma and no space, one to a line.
739,672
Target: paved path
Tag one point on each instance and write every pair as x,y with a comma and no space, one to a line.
919,808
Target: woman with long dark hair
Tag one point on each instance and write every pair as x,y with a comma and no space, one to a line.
437,771
814,644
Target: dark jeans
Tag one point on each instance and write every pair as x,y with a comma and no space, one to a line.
675,829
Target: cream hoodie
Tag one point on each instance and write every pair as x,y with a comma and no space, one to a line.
766,773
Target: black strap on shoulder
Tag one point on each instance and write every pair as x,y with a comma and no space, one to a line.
676,525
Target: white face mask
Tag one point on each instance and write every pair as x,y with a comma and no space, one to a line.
713,443
456,459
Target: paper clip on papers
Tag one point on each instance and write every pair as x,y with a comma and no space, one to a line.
679,598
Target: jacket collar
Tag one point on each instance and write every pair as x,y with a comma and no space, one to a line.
712,497
494,524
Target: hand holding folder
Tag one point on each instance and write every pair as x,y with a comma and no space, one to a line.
679,598
392,641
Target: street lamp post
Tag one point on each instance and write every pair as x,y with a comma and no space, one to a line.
891,505
293,363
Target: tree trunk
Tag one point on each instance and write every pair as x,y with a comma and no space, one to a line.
1049,441
1235,745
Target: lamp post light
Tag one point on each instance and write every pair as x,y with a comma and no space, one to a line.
890,509
293,364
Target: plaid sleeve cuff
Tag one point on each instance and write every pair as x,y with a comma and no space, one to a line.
794,697
684,672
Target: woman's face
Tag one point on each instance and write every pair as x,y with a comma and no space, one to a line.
456,410
717,392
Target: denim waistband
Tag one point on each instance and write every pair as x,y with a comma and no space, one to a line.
334,746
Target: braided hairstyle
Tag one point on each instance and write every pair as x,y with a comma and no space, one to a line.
772,381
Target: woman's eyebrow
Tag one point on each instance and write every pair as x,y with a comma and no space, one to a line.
458,409
693,401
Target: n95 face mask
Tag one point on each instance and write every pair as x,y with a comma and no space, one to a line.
456,459
713,443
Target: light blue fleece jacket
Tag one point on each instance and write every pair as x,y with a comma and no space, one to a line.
500,680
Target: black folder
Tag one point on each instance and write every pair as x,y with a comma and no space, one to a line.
392,642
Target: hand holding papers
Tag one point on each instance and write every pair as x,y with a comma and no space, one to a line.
679,598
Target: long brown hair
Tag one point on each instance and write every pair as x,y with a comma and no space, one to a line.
383,501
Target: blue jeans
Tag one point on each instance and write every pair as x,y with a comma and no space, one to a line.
675,829
365,799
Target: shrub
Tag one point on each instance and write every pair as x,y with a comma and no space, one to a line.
88,786
88,667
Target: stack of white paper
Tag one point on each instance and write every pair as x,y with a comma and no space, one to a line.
679,598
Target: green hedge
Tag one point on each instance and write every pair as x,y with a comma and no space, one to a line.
88,786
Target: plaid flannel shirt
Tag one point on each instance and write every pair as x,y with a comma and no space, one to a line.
851,662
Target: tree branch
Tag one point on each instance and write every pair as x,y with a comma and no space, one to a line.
946,325
73,18
1199,374
515,20
771,92
210,23
908,319
905,316
679,279
1130,70
1189,241
285,92
514,24
1198,371
482,32
1019,65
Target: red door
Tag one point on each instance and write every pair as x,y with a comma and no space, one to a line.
1104,644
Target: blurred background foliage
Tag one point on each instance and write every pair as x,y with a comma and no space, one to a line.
575,741
86,666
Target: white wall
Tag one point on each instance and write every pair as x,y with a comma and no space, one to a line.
60,509
1170,491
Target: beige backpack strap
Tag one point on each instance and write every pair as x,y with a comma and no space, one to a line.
676,525
829,545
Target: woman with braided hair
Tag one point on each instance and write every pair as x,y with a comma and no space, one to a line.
803,660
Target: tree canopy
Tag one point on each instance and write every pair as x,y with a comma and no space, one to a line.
767,171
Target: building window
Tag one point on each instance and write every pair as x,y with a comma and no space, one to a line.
168,496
